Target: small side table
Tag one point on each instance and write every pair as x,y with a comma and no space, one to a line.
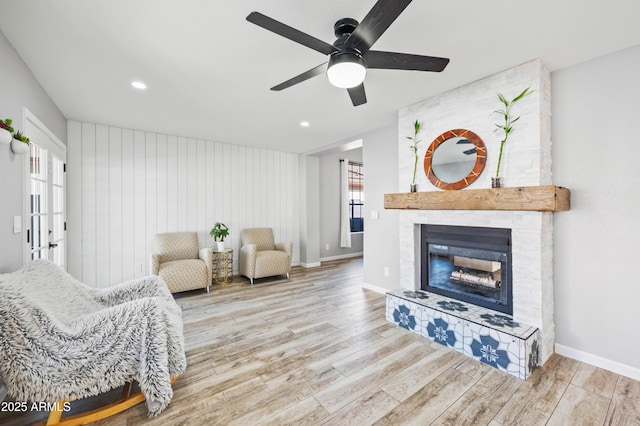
222,266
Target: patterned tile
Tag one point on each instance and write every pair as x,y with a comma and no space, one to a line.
489,337
469,312
494,348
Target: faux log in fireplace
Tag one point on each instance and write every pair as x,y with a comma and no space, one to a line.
471,264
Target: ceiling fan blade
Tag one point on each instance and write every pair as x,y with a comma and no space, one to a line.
379,18
302,77
357,95
291,33
404,61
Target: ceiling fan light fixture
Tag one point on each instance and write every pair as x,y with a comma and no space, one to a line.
346,70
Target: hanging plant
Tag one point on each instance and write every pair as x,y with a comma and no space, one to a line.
6,131
19,143
22,138
6,124
507,125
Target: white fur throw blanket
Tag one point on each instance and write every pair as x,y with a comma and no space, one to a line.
60,339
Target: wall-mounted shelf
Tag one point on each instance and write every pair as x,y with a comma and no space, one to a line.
532,198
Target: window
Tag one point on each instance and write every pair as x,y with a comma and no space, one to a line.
356,197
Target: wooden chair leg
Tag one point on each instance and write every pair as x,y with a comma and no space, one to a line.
56,414
126,401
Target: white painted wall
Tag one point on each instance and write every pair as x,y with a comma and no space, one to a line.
127,185
596,109
18,89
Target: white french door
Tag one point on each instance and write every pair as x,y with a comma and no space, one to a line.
46,194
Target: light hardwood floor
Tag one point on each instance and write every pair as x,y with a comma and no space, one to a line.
317,350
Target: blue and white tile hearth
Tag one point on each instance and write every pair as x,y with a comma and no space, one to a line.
534,355
402,316
439,331
497,349
500,320
415,294
486,336
405,313
487,350
452,306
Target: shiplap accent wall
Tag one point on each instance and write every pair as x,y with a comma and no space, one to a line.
125,186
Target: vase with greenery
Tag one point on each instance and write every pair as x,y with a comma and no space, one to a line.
506,127
219,232
6,131
414,147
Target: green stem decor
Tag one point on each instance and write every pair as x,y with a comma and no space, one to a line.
507,127
414,147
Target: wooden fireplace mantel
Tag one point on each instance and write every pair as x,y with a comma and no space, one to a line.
526,198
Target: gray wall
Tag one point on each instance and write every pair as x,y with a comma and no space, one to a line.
330,205
381,245
18,89
309,211
595,154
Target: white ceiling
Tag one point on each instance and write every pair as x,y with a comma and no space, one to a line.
209,70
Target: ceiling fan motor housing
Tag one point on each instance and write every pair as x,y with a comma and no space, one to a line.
344,26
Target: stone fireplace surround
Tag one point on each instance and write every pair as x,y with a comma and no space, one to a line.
526,162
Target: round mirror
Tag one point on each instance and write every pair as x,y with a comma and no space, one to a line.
455,159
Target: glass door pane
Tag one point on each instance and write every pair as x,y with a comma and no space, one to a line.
39,205
57,220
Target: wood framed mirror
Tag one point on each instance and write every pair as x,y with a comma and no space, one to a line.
455,159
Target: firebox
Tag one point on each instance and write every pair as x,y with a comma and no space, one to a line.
471,264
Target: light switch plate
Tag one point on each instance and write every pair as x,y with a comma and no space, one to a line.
374,214
17,224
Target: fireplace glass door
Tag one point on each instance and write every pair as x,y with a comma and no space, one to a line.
469,264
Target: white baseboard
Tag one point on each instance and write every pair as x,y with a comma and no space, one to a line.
310,264
375,288
341,256
605,364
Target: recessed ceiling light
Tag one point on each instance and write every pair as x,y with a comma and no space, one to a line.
139,85
305,124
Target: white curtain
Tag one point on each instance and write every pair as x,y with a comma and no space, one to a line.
345,229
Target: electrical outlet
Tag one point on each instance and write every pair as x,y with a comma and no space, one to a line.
140,267
326,247
386,271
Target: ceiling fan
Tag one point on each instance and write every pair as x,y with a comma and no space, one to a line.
350,55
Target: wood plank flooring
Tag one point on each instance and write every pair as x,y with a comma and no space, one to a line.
317,350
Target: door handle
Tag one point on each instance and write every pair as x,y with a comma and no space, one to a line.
52,245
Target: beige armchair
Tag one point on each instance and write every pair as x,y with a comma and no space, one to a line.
261,257
180,262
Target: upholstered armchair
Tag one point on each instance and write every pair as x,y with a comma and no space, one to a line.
261,257
179,261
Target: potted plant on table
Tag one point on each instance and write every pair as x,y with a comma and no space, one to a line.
219,232
20,143
6,131
507,128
